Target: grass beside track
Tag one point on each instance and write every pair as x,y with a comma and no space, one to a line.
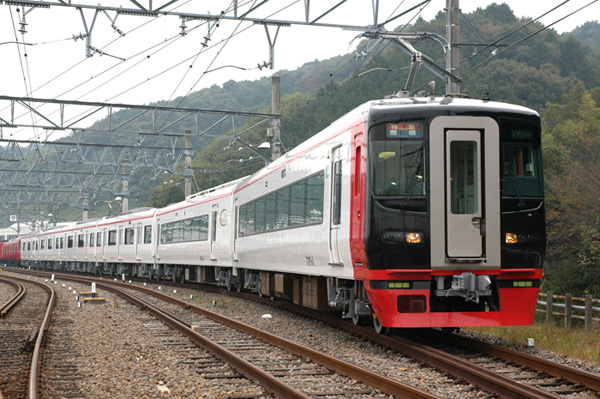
574,342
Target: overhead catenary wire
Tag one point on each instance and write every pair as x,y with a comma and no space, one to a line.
516,43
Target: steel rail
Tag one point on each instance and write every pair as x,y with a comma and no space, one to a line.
268,381
386,384
36,358
556,370
21,290
488,380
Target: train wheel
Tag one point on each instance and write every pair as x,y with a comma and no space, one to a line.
358,320
379,328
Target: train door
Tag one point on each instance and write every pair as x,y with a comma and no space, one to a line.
465,192
335,208
213,230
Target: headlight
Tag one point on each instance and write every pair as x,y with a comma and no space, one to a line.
511,238
402,236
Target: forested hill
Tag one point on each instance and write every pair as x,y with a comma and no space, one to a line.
540,69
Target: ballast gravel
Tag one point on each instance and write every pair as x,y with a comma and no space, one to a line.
127,353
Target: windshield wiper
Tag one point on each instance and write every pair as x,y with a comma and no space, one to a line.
413,182
522,203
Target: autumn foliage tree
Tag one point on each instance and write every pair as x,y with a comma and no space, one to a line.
572,173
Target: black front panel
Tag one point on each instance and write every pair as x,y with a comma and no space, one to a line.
398,231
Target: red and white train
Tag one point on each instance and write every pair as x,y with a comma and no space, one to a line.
415,212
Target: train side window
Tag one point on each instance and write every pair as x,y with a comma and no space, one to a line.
70,242
214,226
203,227
99,239
129,234
337,193
283,208
112,237
81,241
259,216
49,243
270,211
62,242
148,234
91,240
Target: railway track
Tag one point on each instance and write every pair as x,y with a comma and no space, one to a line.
525,376
264,357
22,329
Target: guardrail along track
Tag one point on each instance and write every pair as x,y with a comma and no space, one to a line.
22,332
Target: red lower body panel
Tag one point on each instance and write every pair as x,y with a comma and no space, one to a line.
403,308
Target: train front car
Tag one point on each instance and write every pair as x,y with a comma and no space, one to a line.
455,226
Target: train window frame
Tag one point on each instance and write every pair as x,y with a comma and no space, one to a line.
70,241
128,236
112,238
185,230
523,179
280,200
148,234
388,188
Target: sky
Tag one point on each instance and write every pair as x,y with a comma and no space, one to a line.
153,62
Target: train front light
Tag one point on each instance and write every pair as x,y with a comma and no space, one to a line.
413,238
511,238
402,236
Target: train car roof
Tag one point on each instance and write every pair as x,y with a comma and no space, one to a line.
380,110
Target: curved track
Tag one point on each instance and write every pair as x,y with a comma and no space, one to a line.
23,332
502,384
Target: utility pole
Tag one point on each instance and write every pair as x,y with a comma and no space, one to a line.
274,133
453,54
187,172
125,188
86,200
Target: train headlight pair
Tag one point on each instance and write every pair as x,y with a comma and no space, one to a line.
411,237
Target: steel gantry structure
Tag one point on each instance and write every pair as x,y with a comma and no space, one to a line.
72,170
60,169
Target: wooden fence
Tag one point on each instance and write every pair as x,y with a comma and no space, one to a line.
569,307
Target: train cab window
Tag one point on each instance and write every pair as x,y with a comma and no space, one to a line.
521,160
147,234
397,159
